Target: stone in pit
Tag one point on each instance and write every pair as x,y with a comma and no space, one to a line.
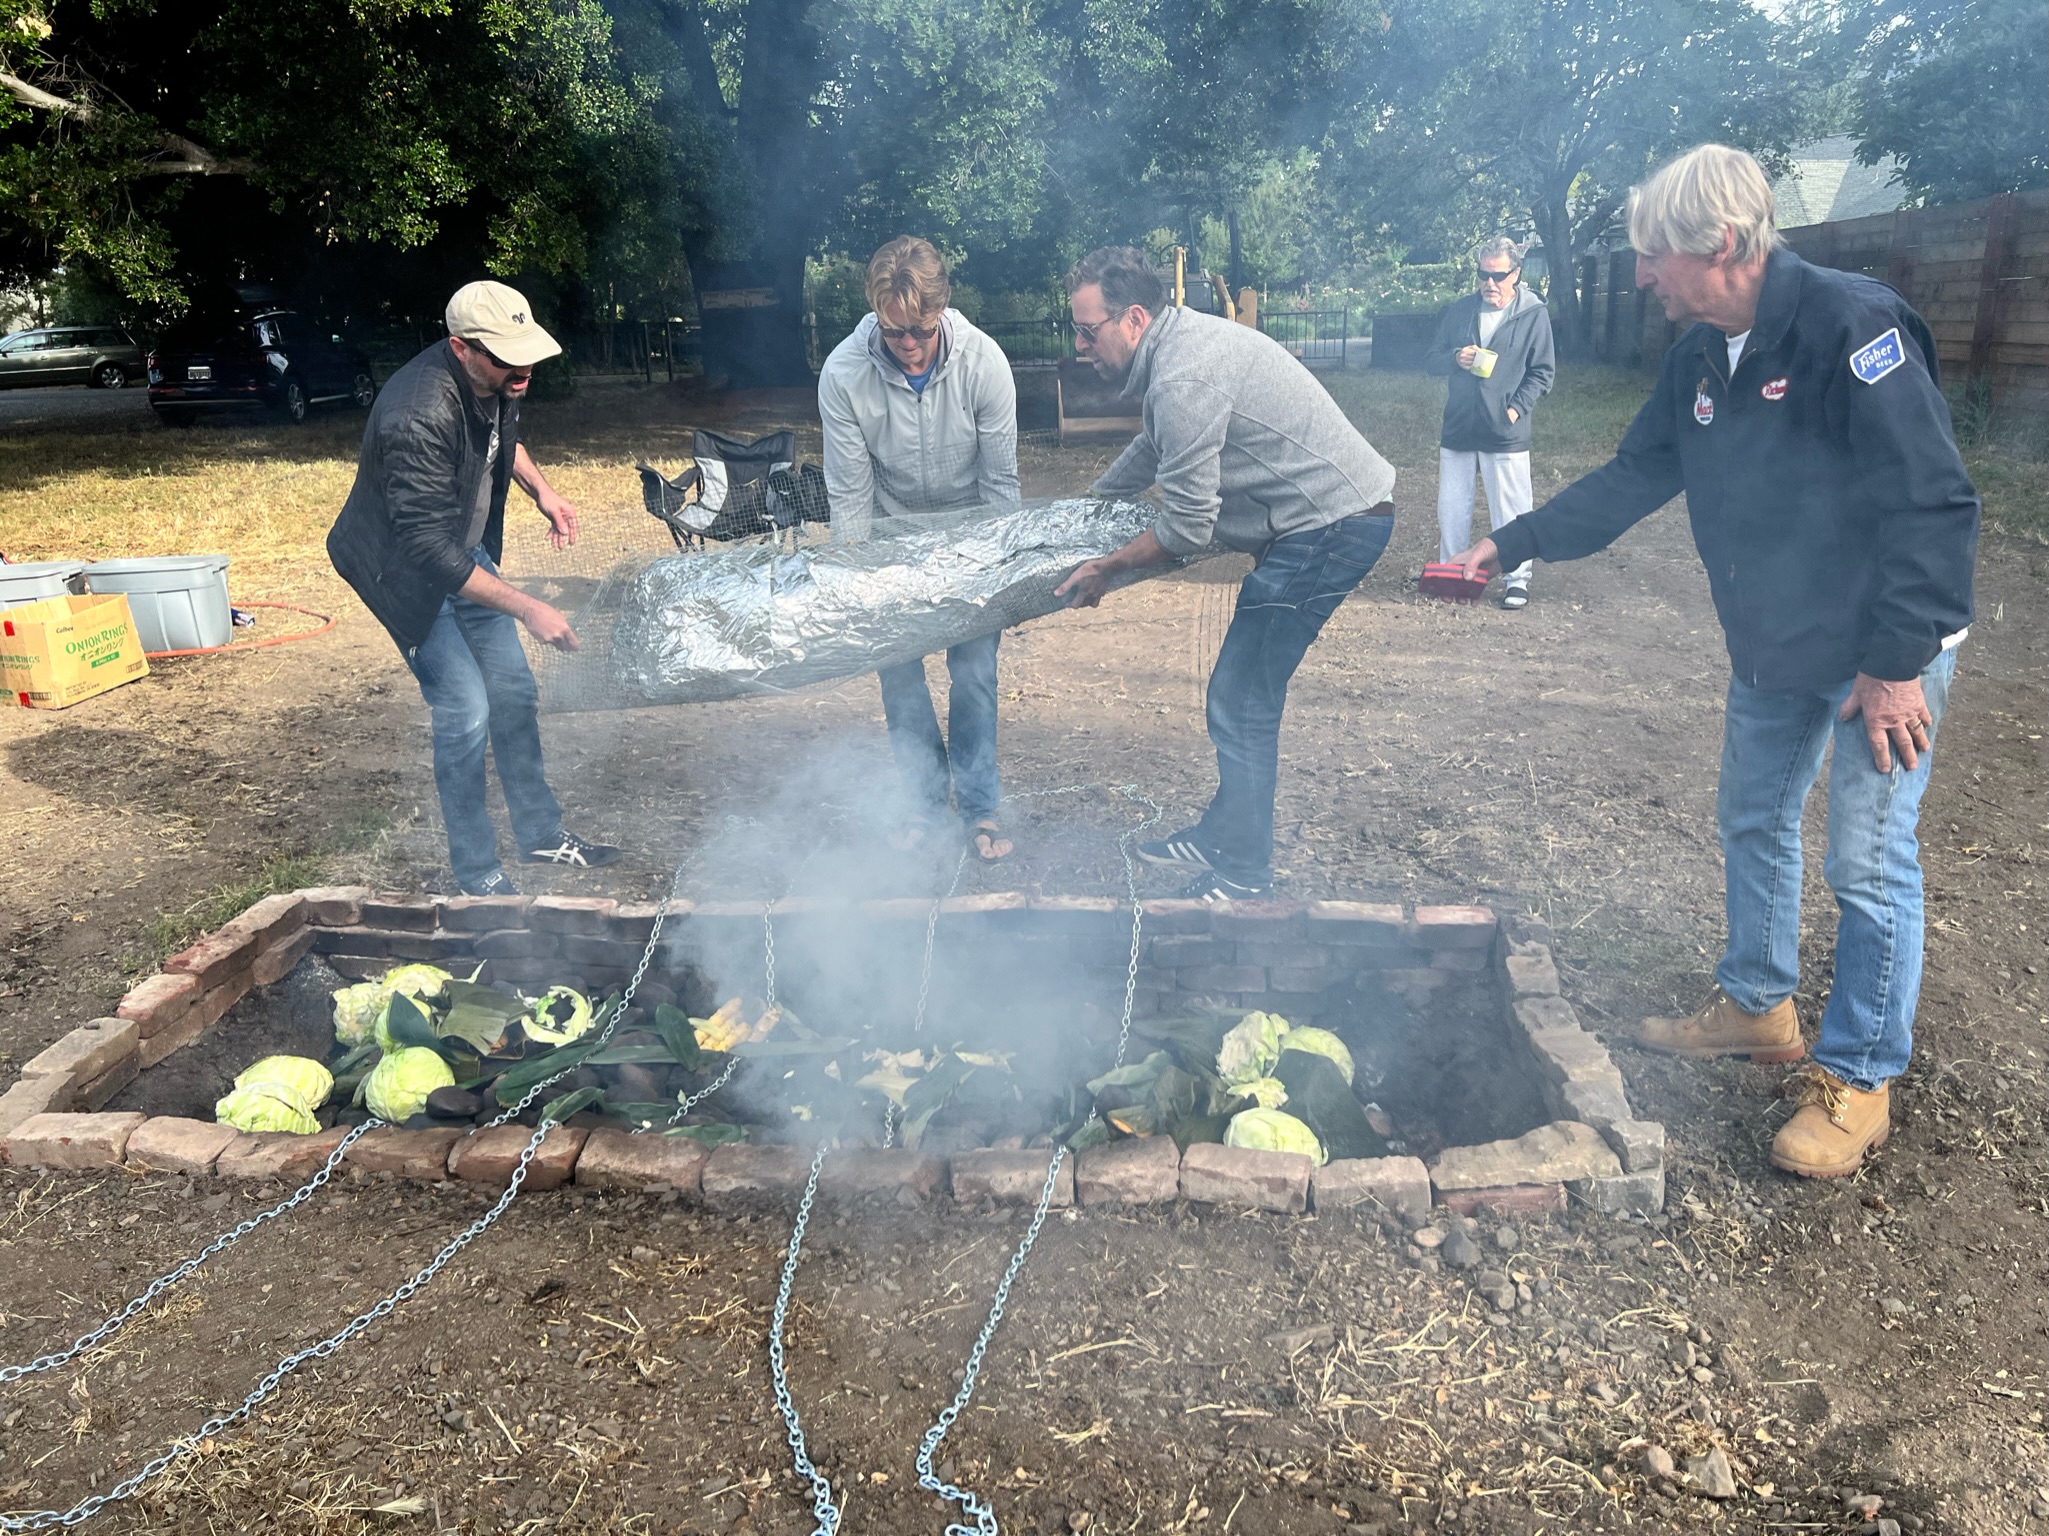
1247,1177
1564,1149
1138,1170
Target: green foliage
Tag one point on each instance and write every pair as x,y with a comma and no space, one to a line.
1953,90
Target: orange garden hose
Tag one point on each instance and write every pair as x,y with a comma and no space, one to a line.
254,645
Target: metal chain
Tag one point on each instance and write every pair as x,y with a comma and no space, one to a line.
179,1449
971,1503
823,1510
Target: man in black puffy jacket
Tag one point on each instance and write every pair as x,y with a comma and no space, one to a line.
1803,418
1495,347
420,538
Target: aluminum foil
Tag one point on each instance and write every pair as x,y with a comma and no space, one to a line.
721,624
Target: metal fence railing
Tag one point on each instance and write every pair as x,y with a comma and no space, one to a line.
1319,337
1032,343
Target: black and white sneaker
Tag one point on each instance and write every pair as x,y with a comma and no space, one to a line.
1214,888
567,848
1516,596
497,883
1181,851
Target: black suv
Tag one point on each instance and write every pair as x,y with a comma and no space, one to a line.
273,358
103,356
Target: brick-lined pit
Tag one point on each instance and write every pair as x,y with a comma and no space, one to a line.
1309,961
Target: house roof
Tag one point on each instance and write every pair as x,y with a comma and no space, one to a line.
1828,183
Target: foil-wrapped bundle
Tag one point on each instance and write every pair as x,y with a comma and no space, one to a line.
720,624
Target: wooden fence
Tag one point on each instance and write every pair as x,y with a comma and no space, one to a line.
1978,273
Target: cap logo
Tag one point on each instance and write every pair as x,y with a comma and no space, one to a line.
519,317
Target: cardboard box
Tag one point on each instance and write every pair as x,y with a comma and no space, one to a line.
55,652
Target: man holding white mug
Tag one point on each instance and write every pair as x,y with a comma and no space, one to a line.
1495,346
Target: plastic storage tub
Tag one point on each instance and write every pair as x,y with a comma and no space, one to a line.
33,580
180,602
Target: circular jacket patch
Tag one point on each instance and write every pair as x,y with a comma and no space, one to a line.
1703,407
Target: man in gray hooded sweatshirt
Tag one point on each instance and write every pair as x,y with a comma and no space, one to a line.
1248,451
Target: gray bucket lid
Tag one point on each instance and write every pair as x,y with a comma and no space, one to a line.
146,565
24,570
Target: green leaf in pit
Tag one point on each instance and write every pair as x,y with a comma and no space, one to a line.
558,1110
408,1023
673,1025
1321,1099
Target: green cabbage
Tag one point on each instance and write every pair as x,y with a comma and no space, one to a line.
559,1016
266,1107
398,1086
309,1081
1251,1048
1266,1092
355,1011
1269,1130
1323,1043
416,981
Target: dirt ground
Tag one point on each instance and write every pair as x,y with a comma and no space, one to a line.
598,1365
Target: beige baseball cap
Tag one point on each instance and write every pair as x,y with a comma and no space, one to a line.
502,321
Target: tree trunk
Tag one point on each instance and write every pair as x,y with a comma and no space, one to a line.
1237,251
752,310
1569,314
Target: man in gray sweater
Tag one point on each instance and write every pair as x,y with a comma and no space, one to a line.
1248,451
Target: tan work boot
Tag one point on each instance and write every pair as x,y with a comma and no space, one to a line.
1723,1029
1832,1129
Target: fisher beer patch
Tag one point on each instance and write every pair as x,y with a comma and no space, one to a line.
1703,404
1878,357
1775,389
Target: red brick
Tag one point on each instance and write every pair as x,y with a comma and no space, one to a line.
198,1019
277,1154
87,1051
1267,920
1138,1170
1221,978
159,1002
1306,978
437,946
545,970
1506,1200
881,909
1456,927
739,1173
365,942
70,1141
1011,1177
400,914
1079,914
619,1160
1397,1184
409,1154
335,906
633,921
1183,949
30,1097
515,944
571,914
1533,975
1370,958
1246,1177
276,963
1459,959
358,967
171,1144
578,949
1175,914
483,914
1291,952
1537,1013
216,956
987,901
489,1156
273,920
1355,921
93,1093
864,1171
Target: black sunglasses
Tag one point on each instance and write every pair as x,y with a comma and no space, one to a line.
1086,329
491,357
1498,277
899,332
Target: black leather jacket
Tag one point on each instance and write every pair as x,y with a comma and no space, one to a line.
399,538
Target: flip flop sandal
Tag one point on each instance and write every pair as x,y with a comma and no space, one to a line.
993,833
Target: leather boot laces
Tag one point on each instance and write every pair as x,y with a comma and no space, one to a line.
1818,1087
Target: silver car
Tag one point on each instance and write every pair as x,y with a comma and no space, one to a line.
103,356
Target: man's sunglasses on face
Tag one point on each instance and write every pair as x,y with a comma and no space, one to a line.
899,332
491,357
1499,277
1086,329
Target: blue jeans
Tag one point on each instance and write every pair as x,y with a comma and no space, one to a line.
479,688
966,755
1772,747
1282,607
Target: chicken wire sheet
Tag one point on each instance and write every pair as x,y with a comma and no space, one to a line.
698,626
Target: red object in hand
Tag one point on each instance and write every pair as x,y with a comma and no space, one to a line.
1444,579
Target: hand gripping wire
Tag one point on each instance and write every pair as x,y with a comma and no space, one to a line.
183,1447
